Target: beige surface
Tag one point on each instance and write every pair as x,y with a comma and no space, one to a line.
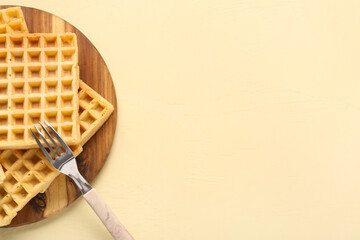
238,119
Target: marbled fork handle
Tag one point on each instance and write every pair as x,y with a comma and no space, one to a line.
109,219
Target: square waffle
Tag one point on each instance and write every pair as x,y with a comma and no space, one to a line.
39,79
28,172
12,21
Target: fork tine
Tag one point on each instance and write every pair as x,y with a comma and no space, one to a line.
51,138
47,143
47,155
65,146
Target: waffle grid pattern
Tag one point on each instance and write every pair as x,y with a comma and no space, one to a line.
28,172
12,21
39,80
94,110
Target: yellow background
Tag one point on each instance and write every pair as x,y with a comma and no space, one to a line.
238,119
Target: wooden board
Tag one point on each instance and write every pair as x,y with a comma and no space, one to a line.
95,73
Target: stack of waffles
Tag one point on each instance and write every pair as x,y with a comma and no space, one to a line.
39,80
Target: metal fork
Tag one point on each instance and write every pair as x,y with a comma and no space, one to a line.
65,163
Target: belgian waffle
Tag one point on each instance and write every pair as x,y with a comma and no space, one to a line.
39,79
28,172
12,21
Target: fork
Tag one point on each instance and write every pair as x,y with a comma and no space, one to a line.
65,163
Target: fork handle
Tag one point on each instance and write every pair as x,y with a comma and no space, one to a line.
108,218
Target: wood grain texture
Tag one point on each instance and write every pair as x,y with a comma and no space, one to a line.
95,73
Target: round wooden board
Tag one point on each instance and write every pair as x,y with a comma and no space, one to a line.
93,70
